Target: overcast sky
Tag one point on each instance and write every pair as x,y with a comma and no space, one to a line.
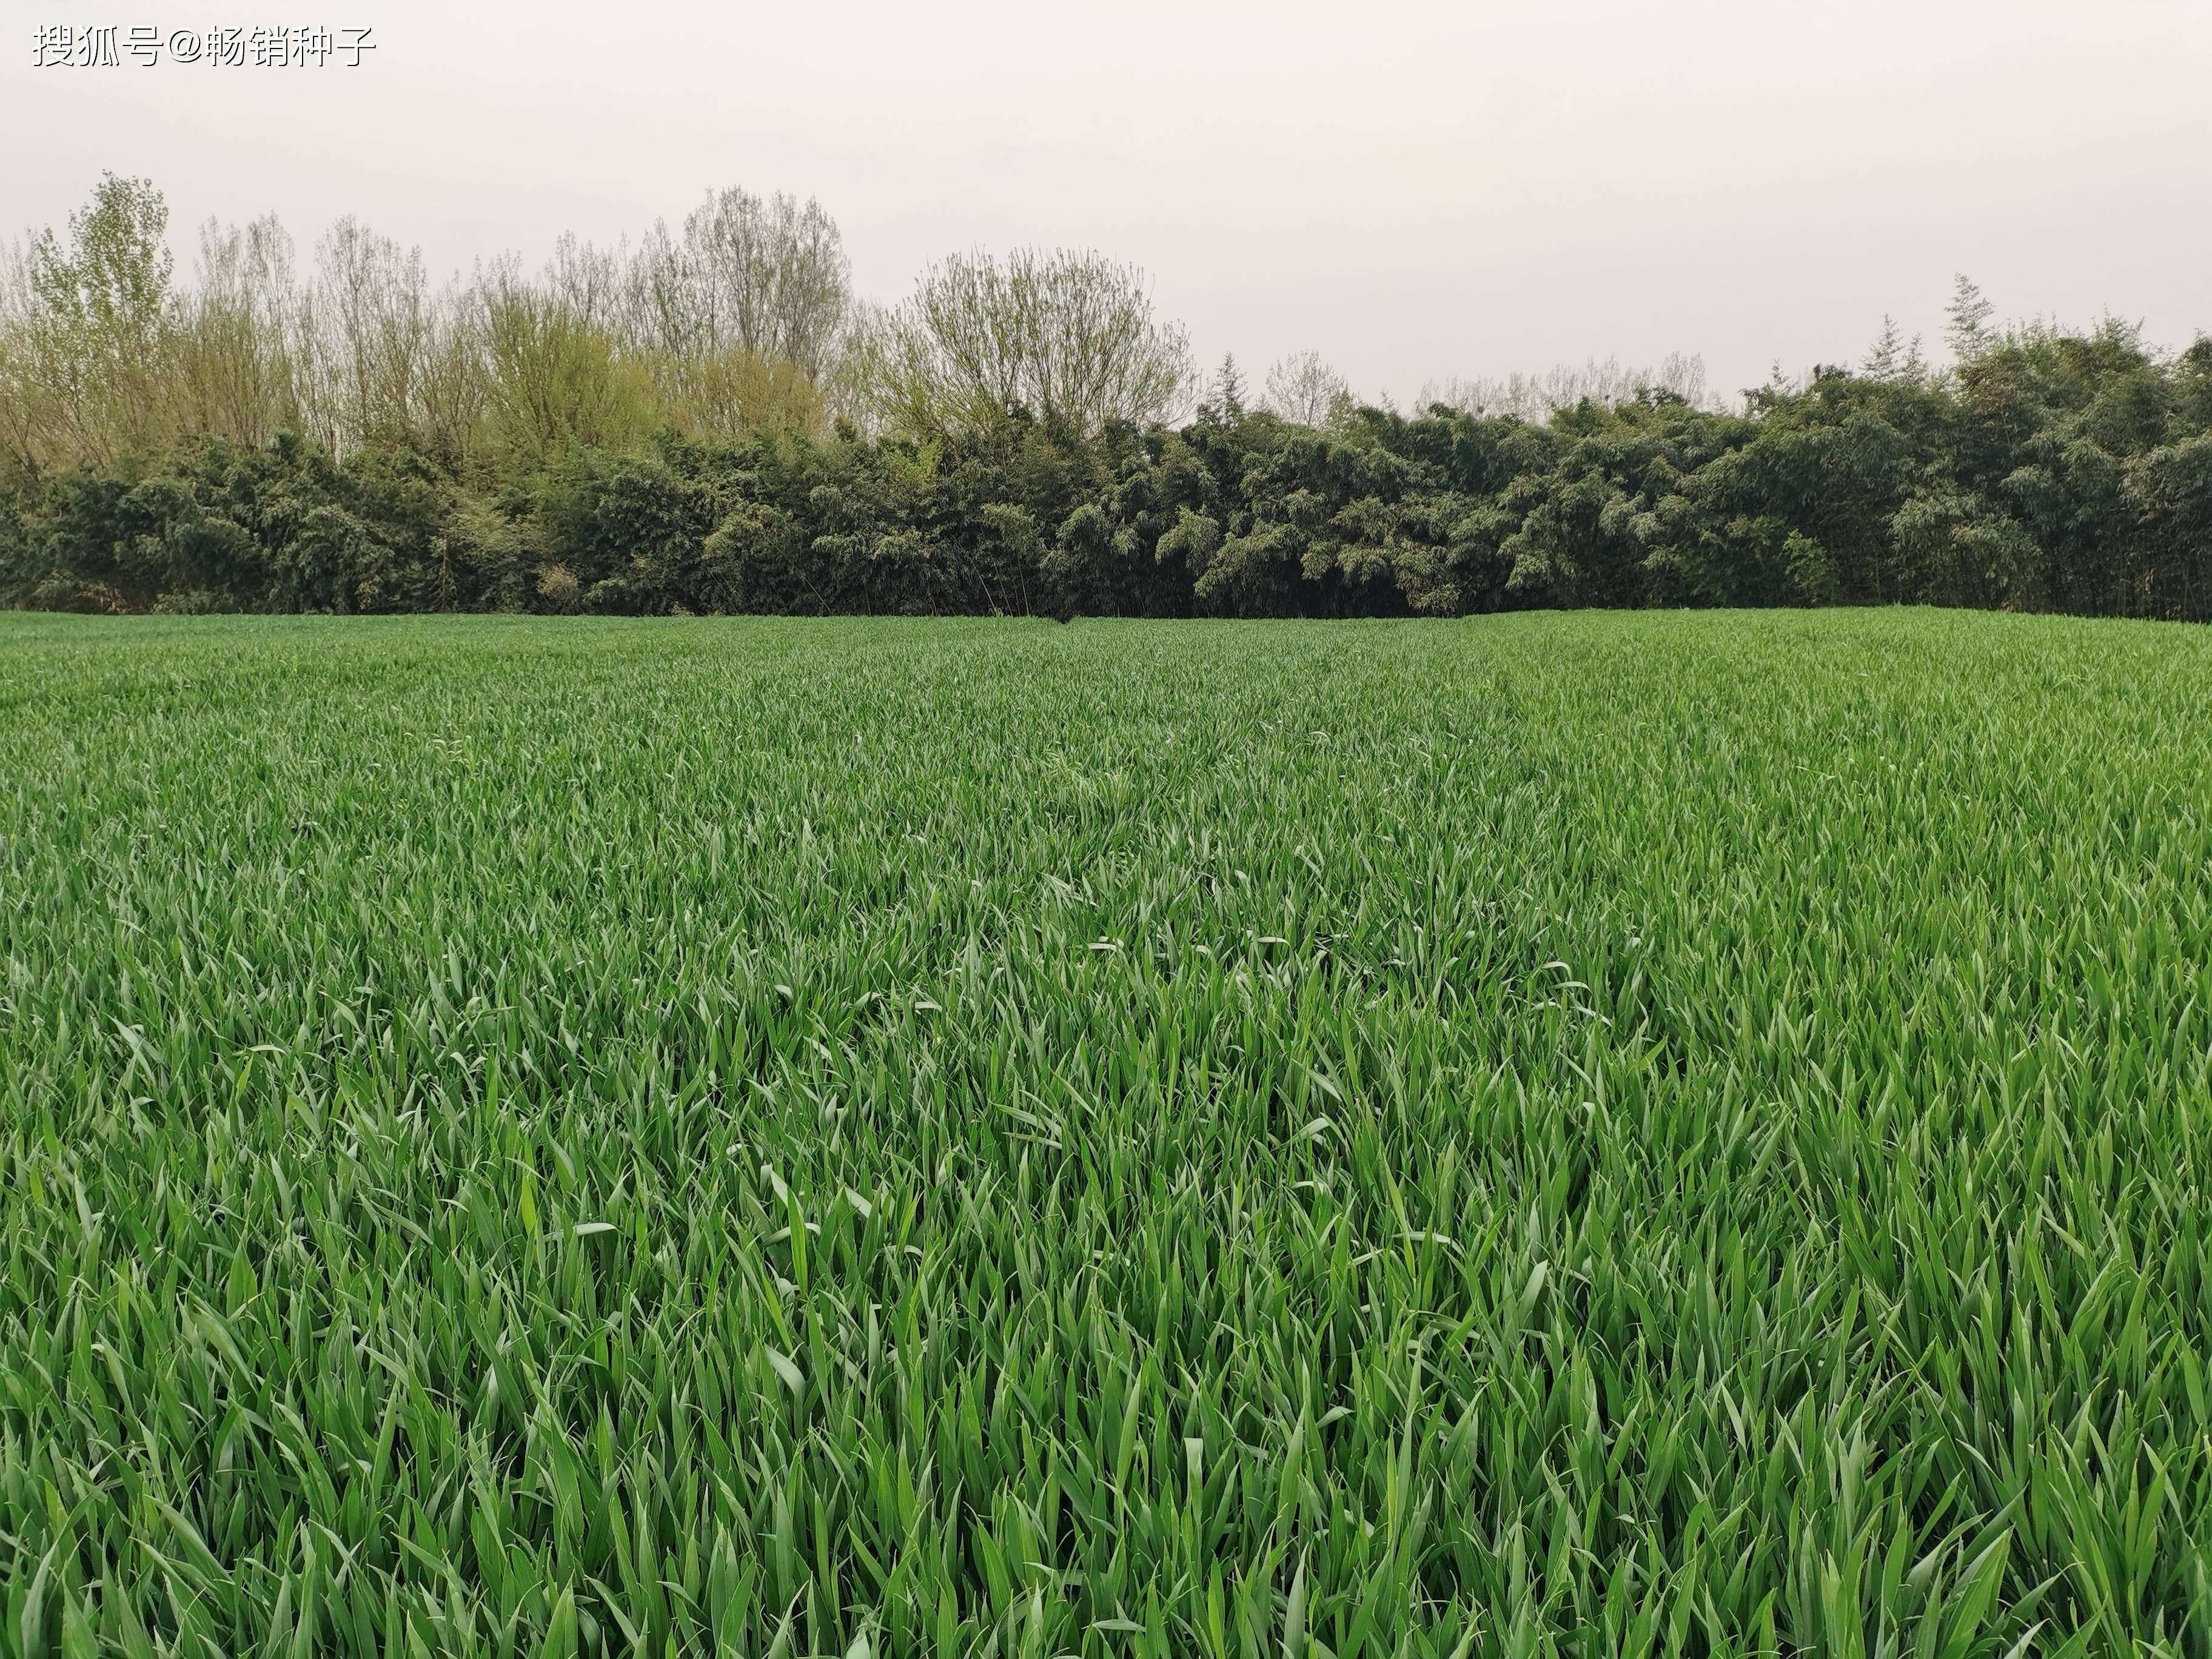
1414,188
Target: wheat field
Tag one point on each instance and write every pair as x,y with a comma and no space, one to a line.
1562,1134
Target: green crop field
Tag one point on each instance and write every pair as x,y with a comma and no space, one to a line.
1556,1133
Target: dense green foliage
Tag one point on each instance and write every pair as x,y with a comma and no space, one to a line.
2051,472
712,423
1590,1134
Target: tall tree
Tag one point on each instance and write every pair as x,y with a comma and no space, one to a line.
1969,313
556,378
1887,352
99,324
767,276
1070,338
236,328
371,331
1226,396
1303,389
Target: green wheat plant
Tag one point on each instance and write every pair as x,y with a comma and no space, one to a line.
1556,1135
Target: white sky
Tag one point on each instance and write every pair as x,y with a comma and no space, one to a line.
1414,188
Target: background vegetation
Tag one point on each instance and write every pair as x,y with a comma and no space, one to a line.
990,1138
709,421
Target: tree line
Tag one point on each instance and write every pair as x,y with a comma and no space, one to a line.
710,420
